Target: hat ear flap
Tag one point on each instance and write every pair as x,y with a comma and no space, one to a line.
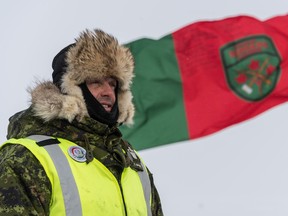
59,65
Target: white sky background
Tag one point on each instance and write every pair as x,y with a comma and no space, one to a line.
242,170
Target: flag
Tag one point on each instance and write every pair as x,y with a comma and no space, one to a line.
207,76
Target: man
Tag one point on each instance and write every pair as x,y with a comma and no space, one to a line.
65,154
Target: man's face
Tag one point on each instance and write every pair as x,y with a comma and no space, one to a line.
104,91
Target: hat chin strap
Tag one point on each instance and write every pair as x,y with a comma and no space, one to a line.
97,111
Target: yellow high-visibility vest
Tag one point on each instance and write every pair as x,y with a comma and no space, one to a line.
89,189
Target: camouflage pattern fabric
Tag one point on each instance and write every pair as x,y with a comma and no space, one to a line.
24,186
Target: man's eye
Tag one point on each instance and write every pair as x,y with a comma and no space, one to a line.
95,82
113,85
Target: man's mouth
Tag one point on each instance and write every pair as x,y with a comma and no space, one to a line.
107,107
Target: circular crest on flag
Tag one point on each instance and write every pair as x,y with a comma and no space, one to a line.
77,153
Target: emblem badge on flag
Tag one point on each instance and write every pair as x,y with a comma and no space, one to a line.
252,66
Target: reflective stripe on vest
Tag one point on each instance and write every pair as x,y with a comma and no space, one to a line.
74,203
68,185
146,188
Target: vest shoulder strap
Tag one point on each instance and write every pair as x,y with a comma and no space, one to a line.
43,140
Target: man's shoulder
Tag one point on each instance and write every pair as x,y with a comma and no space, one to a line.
14,153
17,160
20,174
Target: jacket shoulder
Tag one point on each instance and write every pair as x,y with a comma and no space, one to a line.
24,185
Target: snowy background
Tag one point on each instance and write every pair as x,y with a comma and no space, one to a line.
242,170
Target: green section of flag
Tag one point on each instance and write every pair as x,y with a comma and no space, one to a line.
158,96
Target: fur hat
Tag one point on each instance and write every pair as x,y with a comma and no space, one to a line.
94,55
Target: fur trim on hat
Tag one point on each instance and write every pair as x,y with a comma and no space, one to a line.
95,55
49,103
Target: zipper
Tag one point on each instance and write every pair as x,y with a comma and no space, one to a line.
107,132
117,182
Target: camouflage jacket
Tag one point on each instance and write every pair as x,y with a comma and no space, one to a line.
24,186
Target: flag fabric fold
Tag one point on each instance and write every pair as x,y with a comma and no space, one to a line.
207,76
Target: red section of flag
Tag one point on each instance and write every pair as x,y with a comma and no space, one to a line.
211,104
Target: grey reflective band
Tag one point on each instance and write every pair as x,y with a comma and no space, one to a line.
145,180
69,188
